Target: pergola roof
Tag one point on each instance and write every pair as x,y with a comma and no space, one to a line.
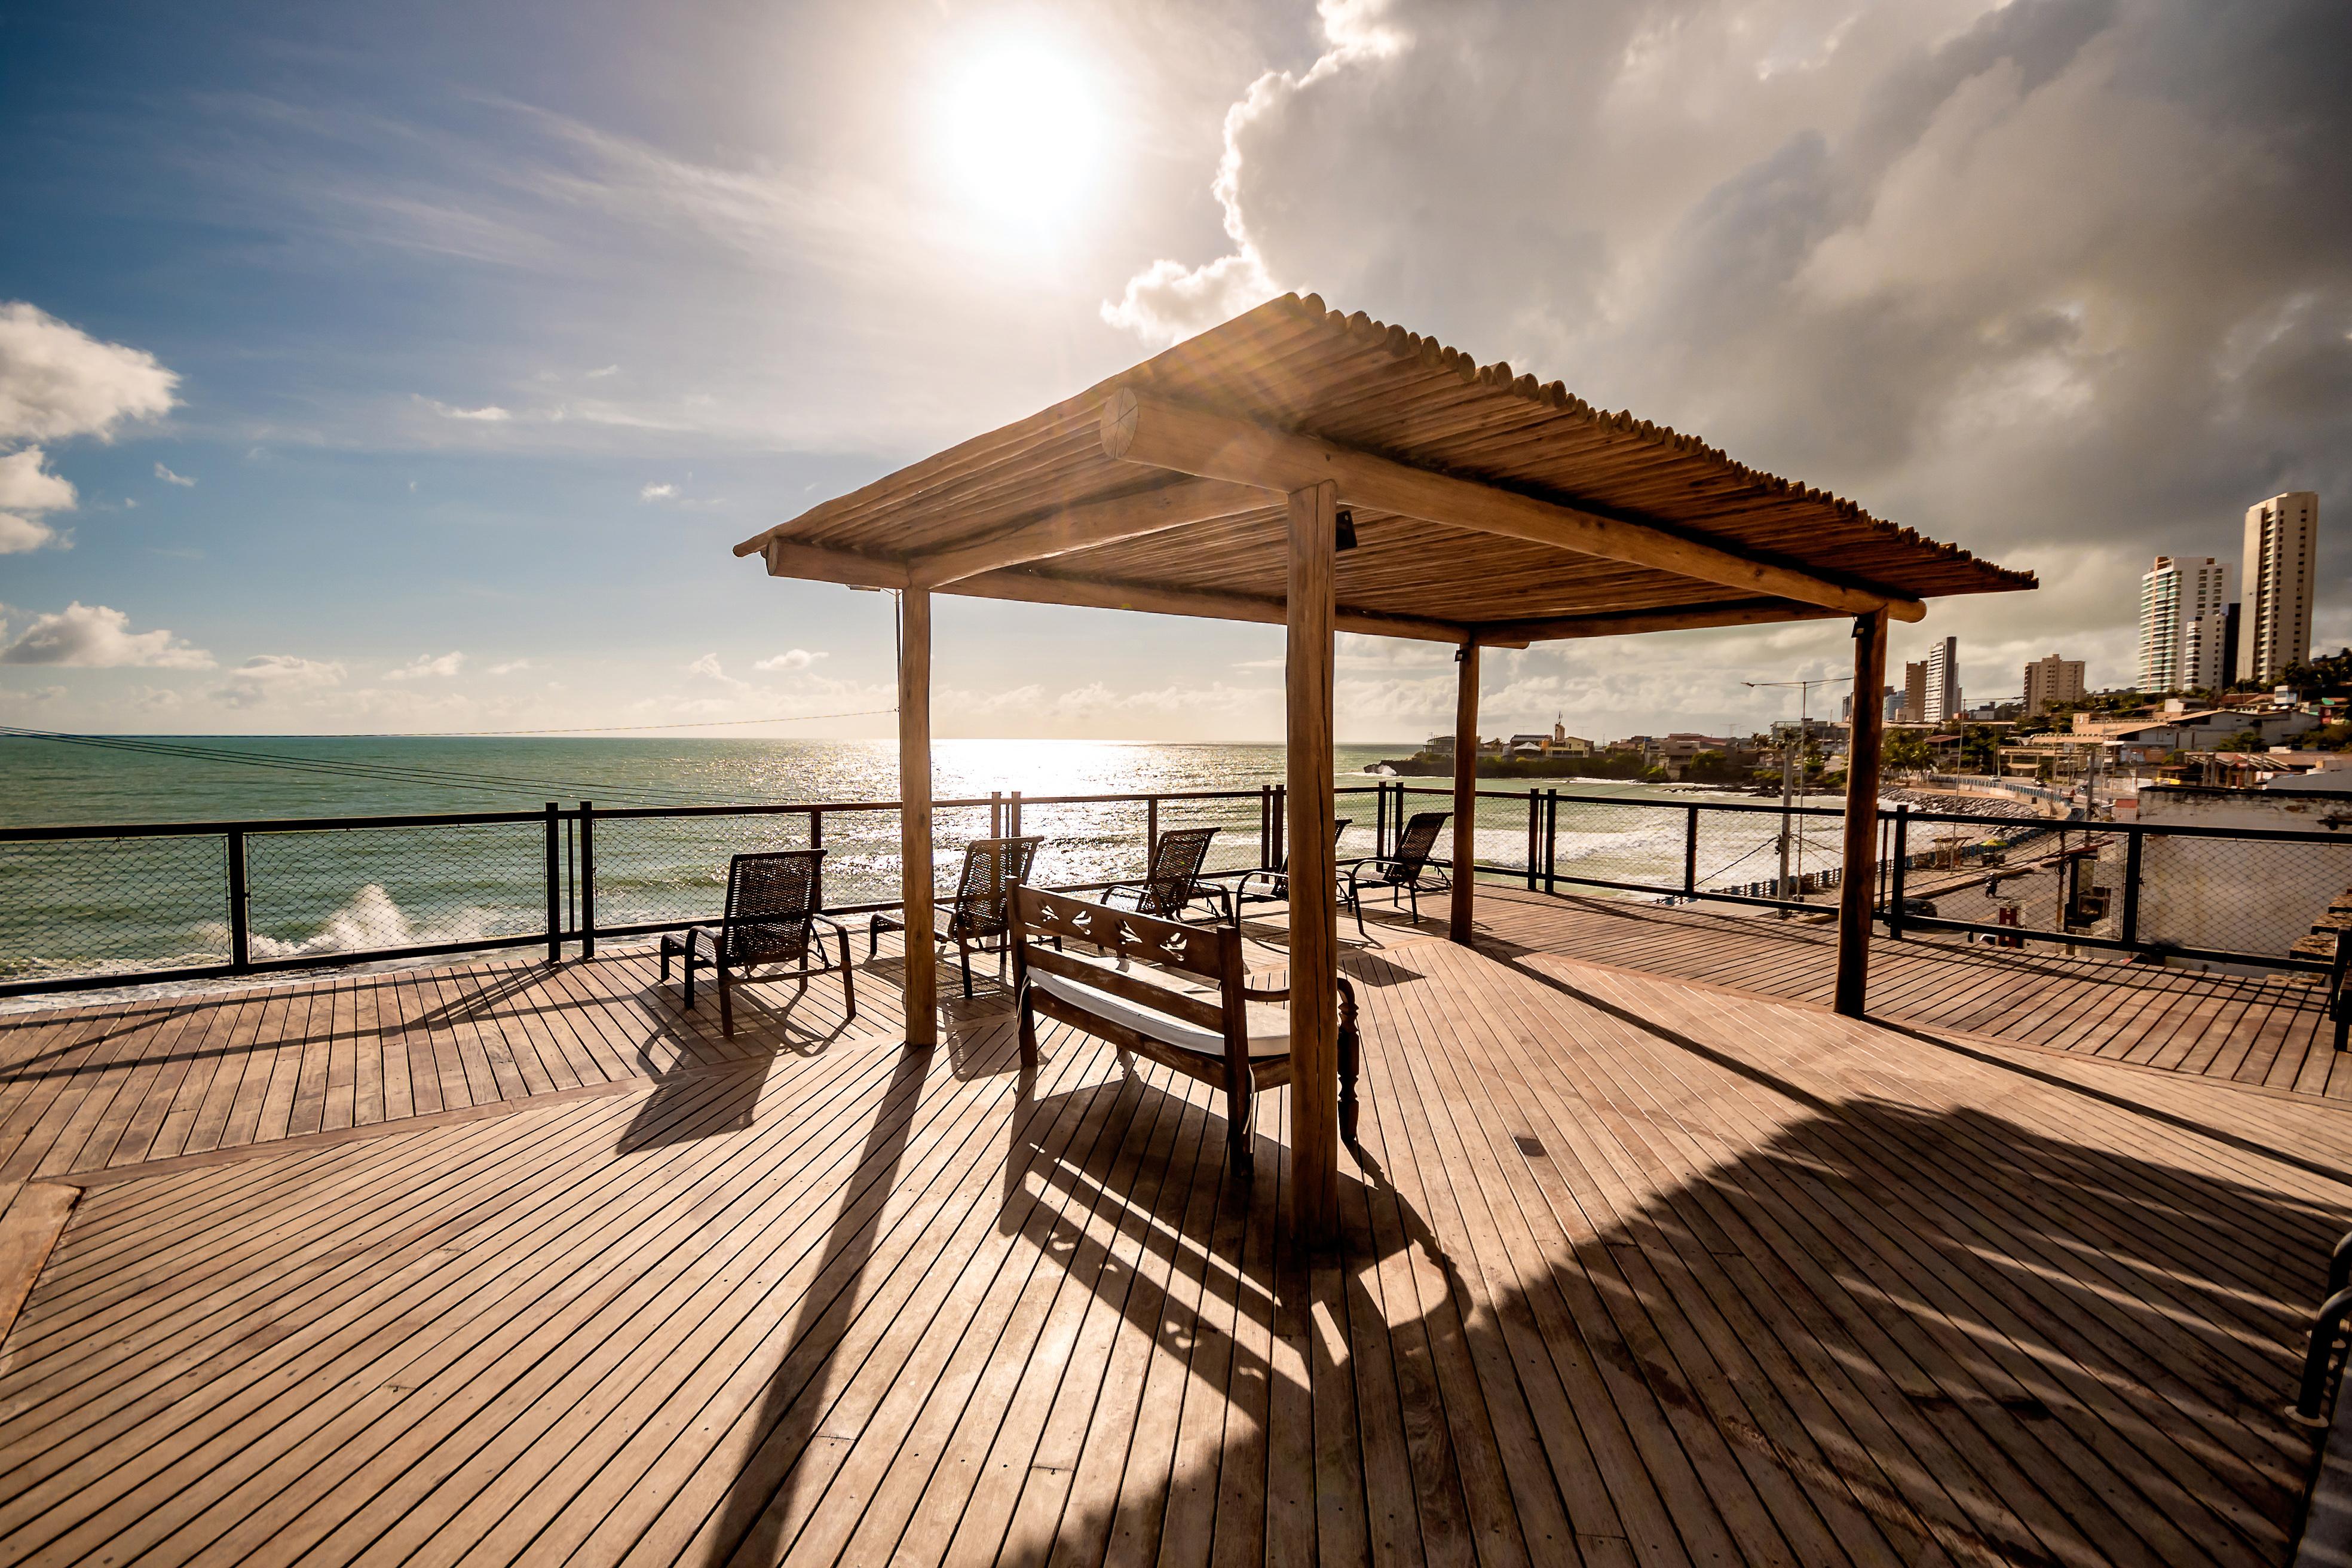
1487,506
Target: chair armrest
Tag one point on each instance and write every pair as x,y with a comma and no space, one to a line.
1250,993
839,929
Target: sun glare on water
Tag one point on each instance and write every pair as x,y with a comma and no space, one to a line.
1022,130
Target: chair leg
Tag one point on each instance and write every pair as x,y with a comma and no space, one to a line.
664,961
848,983
688,966
1028,1033
1356,901
963,957
873,935
726,1003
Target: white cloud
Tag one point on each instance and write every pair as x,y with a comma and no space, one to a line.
92,636
169,478
424,666
490,413
657,492
58,381
270,675
26,485
512,666
28,490
603,371
19,534
708,667
791,658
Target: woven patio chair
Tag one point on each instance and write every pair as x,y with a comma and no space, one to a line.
1173,882
1405,873
981,912
772,918
1273,887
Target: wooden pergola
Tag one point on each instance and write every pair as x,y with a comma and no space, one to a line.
1330,473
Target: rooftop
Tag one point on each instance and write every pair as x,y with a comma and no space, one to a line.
1646,1257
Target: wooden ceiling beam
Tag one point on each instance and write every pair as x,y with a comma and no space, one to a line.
1096,593
788,559
1089,524
1729,613
1149,431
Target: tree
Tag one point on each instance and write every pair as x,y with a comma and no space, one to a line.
2244,741
1906,751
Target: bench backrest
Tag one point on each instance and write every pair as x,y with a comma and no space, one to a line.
1207,952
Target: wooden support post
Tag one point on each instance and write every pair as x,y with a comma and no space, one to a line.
1466,789
922,989
1314,902
1859,879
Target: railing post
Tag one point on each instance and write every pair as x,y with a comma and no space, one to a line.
1281,823
1551,842
1901,863
1535,821
555,886
995,814
1265,828
587,879
1381,819
1151,830
817,830
2133,840
1690,853
1012,813
240,905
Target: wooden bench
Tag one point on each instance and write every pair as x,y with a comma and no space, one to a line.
1178,995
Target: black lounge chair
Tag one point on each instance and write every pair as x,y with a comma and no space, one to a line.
1273,887
981,910
1172,883
1405,873
771,918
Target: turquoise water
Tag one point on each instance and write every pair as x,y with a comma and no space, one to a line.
115,905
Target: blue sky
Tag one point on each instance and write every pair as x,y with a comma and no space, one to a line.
486,330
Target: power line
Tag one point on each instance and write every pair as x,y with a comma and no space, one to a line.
616,728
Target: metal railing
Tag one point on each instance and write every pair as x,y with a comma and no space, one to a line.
84,907
97,906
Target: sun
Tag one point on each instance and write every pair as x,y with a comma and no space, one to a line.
1021,130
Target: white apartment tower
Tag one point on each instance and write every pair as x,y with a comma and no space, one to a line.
1943,693
2184,608
2274,626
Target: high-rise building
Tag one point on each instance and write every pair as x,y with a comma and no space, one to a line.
1915,692
2281,546
2052,679
1894,706
1943,682
2184,606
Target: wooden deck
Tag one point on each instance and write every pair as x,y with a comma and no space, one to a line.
1634,1271
2267,1030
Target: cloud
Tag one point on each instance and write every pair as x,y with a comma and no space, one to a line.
26,485
169,478
791,658
657,492
488,414
425,667
708,668
512,666
1986,268
270,675
19,533
57,381
28,490
603,371
92,636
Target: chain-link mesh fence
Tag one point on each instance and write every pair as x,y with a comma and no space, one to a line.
2243,895
367,890
75,907
673,869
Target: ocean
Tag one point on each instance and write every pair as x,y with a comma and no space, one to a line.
117,906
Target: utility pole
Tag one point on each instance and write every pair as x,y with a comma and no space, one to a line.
1790,773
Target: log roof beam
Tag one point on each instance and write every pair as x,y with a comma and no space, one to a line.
1151,431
